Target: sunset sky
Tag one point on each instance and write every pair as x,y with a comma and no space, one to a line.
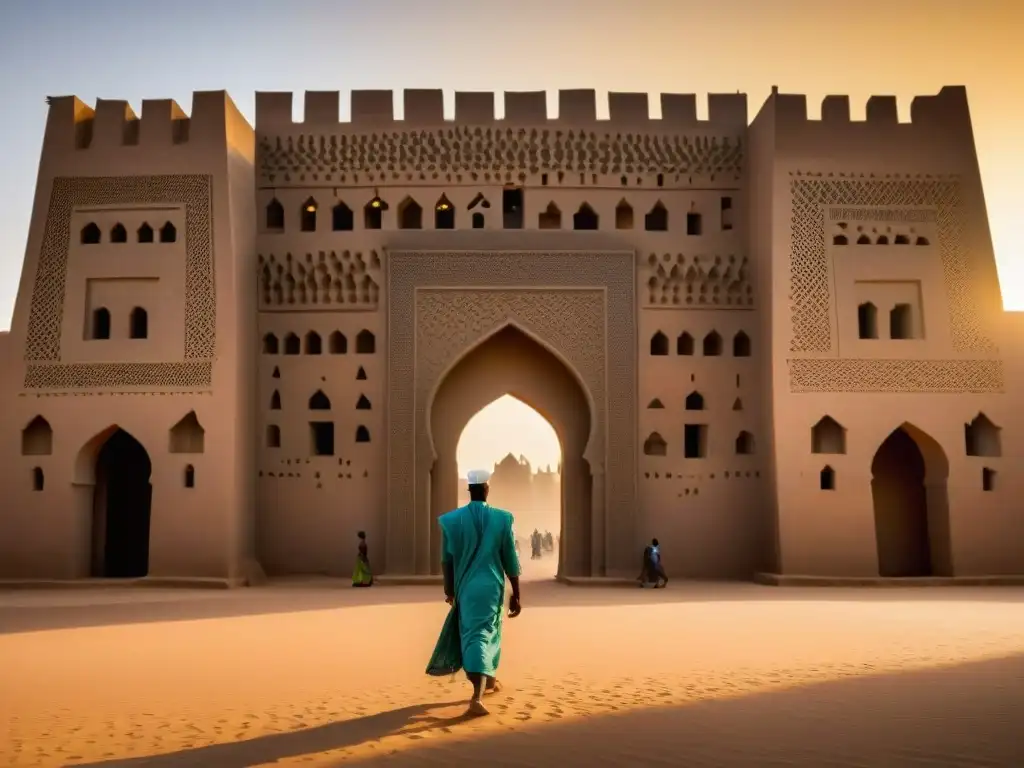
135,50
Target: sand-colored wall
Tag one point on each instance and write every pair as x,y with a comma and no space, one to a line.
106,165
725,513
833,531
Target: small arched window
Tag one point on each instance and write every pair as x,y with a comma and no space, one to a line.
373,213
100,323
342,218
190,476
118,234
585,218
307,216
659,344
741,345
270,345
139,323
274,216
656,220
410,214
337,343
145,233
366,343
712,345
362,434
90,234
168,233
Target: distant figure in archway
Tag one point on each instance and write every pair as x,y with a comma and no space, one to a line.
362,576
652,572
478,551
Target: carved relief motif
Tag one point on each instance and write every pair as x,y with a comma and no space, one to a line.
343,279
450,321
468,149
42,346
545,282
917,200
713,281
855,375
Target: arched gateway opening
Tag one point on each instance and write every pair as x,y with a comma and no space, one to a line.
908,487
521,450
121,503
512,362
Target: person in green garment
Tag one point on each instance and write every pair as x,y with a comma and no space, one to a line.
478,552
362,576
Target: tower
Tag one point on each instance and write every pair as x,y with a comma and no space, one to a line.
132,344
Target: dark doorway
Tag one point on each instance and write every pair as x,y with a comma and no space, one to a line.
121,508
901,507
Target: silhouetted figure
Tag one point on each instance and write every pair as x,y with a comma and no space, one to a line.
535,544
652,572
549,541
362,576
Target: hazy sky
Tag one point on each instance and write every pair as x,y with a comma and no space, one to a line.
134,50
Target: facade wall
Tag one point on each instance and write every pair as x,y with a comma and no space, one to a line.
266,314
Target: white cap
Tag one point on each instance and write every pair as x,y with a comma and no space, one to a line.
478,476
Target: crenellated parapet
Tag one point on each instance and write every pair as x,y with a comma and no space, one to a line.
163,125
938,131
727,113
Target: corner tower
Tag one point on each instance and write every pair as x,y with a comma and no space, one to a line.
132,342
887,381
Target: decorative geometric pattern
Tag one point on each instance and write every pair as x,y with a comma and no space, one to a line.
852,375
114,375
880,214
809,283
431,153
448,322
47,307
699,281
546,293
911,200
329,279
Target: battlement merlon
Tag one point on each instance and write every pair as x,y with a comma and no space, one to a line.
425,108
73,125
946,112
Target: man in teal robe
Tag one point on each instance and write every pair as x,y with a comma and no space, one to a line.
478,552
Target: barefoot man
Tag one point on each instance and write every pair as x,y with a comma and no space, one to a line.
478,551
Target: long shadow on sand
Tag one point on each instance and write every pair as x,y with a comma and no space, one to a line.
81,608
953,717
411,720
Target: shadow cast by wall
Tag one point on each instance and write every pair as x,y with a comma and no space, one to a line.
954,716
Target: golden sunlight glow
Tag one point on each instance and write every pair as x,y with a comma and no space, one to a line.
507,426
310,209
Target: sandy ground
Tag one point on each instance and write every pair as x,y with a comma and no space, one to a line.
315,674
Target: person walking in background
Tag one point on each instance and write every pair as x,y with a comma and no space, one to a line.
652,572
362,576
478,551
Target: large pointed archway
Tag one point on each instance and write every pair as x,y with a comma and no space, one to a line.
512,362
909,473
121,505
579,306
